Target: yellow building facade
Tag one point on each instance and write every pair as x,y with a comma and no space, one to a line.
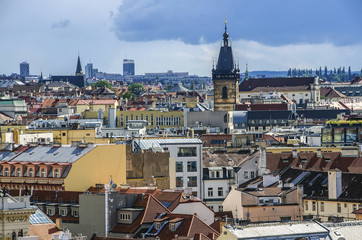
160,119
67,136
324,209
64,168
101,164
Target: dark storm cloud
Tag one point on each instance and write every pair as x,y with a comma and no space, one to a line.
269,22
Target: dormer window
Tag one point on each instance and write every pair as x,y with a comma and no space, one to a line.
157,226
18,172
31,172
7,172
43,173
173,227
303,160
327,159
285,160
56,173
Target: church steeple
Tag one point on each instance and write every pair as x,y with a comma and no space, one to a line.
226,78
226,62
226,35
79,71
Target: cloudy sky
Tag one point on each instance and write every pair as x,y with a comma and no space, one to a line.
182,35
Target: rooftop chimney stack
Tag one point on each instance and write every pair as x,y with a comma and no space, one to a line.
334,183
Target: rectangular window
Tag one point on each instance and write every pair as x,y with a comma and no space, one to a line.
63,212
246,174
179,167
191,181
191,166
252,174
212,174
354,207
322,206
313,206
186,152
75,213
220,192
210,192
306,206
220,208
338,207
179,181
230,173
50,212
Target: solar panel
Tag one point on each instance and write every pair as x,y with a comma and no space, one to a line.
300,177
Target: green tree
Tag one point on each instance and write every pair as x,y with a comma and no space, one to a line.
129,95
102,83
325,71
136,88
192,85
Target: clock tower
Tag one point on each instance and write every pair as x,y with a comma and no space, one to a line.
226,78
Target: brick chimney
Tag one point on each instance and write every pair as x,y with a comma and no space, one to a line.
334,183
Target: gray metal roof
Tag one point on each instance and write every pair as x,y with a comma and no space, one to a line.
157,143
7,155
52,154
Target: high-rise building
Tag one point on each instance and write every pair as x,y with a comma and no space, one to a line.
24,69
226,78
89,70
128,67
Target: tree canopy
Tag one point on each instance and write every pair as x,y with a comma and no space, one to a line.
136,88
102,83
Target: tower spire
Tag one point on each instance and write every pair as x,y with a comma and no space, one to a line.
79,71
226,35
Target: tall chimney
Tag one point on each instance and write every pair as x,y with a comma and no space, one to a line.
334,183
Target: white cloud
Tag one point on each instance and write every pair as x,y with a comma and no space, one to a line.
30,38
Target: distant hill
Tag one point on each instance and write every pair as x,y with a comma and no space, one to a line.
267,74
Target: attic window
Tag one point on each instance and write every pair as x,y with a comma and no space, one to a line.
157,225
229,159
285,160
211,160
327,159
304,160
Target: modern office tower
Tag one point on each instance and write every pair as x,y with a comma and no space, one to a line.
128,67
89,70
24,69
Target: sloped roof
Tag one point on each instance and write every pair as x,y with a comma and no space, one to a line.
46,154
178,88
276,84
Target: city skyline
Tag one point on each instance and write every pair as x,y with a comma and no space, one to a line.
267,36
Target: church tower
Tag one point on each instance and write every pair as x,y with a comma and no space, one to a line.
226,78
79,71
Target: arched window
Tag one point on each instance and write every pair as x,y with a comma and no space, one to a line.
13,236
31,172
18,172
56,173
224,92
6,172
43,172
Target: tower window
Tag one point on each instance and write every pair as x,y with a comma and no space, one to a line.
224,92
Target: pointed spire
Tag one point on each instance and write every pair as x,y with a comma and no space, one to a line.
246,72
79,71
226,35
